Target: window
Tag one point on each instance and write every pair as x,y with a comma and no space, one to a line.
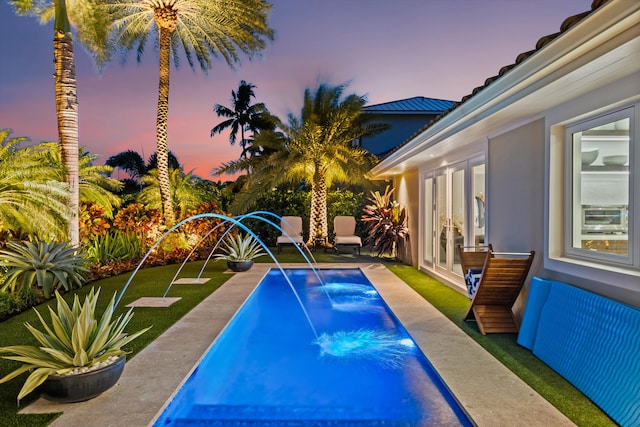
600,205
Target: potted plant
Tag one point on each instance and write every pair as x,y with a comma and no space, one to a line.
240,251
79,356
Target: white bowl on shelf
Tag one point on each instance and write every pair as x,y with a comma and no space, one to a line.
589,156
618,160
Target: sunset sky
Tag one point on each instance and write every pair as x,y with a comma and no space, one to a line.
385,49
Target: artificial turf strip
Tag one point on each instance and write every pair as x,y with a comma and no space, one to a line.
151,282
545,381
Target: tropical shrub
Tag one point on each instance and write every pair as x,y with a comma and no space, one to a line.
136,218
28,296
104,269
184,195
385,222
45,265
115,246
10,304
203,231
30,188
92,222
94,184
75,338
15,234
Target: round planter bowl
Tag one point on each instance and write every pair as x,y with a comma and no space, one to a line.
81,387
238,266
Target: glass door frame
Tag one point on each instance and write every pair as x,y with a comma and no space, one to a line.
429,211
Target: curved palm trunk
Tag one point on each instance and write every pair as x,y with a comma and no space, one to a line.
67,112
161,128
318,221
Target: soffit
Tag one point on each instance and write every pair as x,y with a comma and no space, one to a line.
602,49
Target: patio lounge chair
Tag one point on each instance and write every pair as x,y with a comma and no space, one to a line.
503,275
345,227
292,232
472,260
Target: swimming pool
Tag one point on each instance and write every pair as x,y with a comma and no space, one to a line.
332,355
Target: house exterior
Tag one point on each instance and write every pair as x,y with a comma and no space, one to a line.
544,156
404,117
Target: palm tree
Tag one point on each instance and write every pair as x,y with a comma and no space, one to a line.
95,185
184,193
242,116
92,25
152,163
129,161
132,163
316,147
205,29
30,188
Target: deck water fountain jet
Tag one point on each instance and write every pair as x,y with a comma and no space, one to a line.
255,215
358,344
235,222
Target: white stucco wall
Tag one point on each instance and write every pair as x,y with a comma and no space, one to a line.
515,195
407,193
515,189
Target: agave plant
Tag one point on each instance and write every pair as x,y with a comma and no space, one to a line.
240,248
74,339
47,265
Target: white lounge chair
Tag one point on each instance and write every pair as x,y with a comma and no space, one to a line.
292,232
345,227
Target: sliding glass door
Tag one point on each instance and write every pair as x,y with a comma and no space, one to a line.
453,214
450,216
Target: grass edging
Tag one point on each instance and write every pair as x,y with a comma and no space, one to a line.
523,363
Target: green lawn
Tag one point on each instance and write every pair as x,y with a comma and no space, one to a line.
154,282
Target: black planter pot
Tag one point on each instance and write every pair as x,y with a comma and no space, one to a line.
238,266
81,387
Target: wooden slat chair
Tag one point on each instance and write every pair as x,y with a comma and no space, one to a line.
473,257
503,276
472,260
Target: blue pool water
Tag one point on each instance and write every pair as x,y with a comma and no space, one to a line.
270,368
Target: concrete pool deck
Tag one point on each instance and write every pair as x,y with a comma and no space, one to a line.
489,392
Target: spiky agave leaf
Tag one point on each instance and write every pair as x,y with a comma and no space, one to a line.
47,265
240,248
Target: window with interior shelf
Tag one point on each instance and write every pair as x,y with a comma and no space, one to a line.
600,202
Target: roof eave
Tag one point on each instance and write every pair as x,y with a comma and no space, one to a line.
584,39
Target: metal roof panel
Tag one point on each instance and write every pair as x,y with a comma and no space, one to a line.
415,104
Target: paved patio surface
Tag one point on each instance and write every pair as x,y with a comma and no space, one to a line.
488,391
